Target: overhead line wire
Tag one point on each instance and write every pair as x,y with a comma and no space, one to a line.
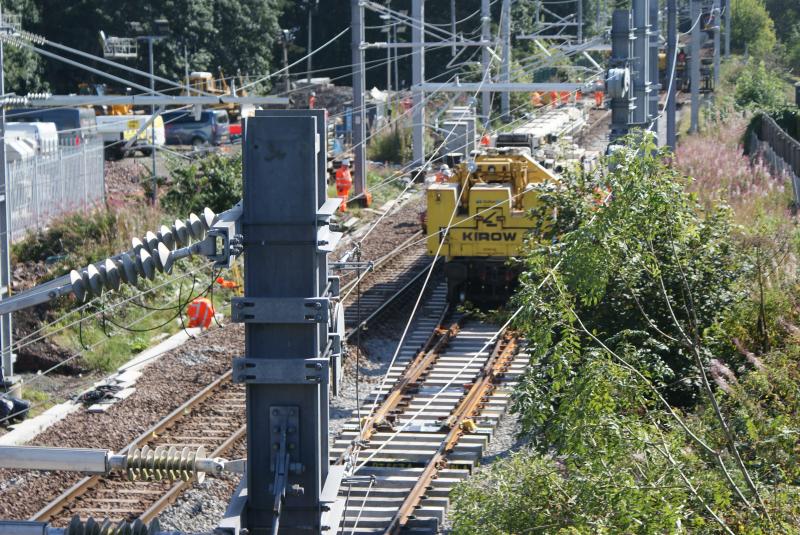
425,283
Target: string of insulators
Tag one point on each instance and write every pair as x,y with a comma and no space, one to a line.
106,527
163,463
146,257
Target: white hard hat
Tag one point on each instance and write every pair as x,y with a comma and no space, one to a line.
444,167
346,162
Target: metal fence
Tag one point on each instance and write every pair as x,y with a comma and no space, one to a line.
780,150
47,186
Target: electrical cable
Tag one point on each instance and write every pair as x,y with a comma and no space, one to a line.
361,509
672,72
475,356
49,370
360,328
141,293
400,173
468,364
270,75
72,357
424,285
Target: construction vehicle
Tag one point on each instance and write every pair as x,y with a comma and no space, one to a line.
479,218
203,83
104,90
124,134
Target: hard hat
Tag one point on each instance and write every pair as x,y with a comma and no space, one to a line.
346,162
444,167
313,93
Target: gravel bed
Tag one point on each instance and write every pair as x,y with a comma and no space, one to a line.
184,371
395,228
163,386
200,509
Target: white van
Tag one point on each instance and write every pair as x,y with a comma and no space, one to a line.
118,130
43,136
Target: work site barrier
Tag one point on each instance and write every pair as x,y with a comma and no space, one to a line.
780,150
48,186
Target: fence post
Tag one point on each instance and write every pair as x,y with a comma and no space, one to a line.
61,176
83,175
35,192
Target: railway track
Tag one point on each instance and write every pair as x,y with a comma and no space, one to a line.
454,381
391,277
214,419
435,415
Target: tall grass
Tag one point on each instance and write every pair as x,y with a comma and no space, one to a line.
722,172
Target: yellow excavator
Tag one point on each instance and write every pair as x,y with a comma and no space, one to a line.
203,82
85,88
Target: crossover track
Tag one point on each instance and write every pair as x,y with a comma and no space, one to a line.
391,277
214,418
409,470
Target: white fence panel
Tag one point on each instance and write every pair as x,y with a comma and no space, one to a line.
46,187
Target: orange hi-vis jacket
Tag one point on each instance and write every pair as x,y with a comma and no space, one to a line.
200,312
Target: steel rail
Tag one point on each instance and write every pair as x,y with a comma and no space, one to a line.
469,407
385,262
419,365
80,488
172,494
377,311
416,369
384,259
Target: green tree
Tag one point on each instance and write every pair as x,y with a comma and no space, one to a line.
24,69
238,36
752,29
786,16
630,302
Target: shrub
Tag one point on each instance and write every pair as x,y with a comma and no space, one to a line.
79,239
393,146
630,304
214,181
757,88
722,172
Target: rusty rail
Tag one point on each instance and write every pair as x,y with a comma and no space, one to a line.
468,407
86,484
416,369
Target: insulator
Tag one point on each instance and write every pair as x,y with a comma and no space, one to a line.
166,237
165,257
145,265
209,218
79,285
180,232
164,463
106,527
137,245
151,241
111,273
195,226
156,257
96,281
128,272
